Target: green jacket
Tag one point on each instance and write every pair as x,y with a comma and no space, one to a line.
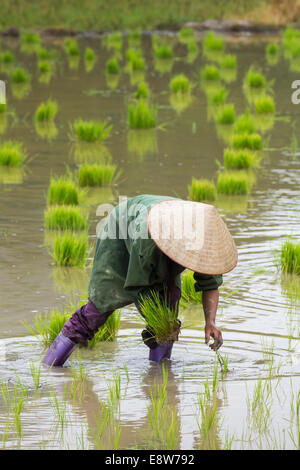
127,262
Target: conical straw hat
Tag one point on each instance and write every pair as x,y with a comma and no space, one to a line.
193,235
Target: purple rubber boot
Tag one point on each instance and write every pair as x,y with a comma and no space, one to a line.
162,351
59,351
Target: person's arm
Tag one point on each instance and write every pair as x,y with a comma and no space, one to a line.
209,285
210,300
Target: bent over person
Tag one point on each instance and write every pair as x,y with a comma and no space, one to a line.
144,245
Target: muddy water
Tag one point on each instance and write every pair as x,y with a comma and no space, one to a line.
260,323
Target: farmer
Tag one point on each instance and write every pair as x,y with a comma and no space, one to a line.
143,246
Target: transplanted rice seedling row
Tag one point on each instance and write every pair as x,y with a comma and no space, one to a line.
229,182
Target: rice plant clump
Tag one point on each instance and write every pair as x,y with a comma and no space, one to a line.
19,75
46,111
89,54
247,141
244,124
255,79
235,183
142,91
210,72
163,52
108,331
226,115
12,154
70,249
186,33
272,48
48,327
96,175
7,57
112,66
264,104
240,159
159,318
142,115
31,38
188,293
212,43
62,191
290,257
228,61
91,131
71,47
202,190
217,97
180,84
64,218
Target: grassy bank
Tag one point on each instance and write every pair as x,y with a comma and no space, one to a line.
100,15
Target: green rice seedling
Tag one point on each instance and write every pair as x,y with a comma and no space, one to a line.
59,406
7,57
62,190
48,326
272,48
290,257
20,75
72,47
244,124
134,37
30,38
163,52
89,54
91,131
64,218
211,73
226,114
112,66
159,318
97,175
35,373
235,183
137,63
114,41
70,249
247,141
228,61
188,293
212,43
142,91
240,159
78,385
44,67
264,104
142,115
186,34
46,54
202,190
132,53
108,331
12,154
46,111
217,97
180,84
255,79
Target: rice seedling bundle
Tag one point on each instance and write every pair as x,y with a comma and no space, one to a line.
91,131
272,48
112,66
142,91
159,318
96,175
244,124
290,257
247,141
188,293
210,72
226,115
70,249
234,183
212,43
202,190
46,111
89,54
264,104
186,33
45,54
7,57
48,327
44,67
137,63
217,97
163,52
240,159
12,154
71,47
142,115
62,191
180,84
64,218
20,75
228,61
255,79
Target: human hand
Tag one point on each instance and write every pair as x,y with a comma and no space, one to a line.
211,331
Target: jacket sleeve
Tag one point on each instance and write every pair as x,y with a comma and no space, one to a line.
206,282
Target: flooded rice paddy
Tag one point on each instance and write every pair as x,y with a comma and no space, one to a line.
255,405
